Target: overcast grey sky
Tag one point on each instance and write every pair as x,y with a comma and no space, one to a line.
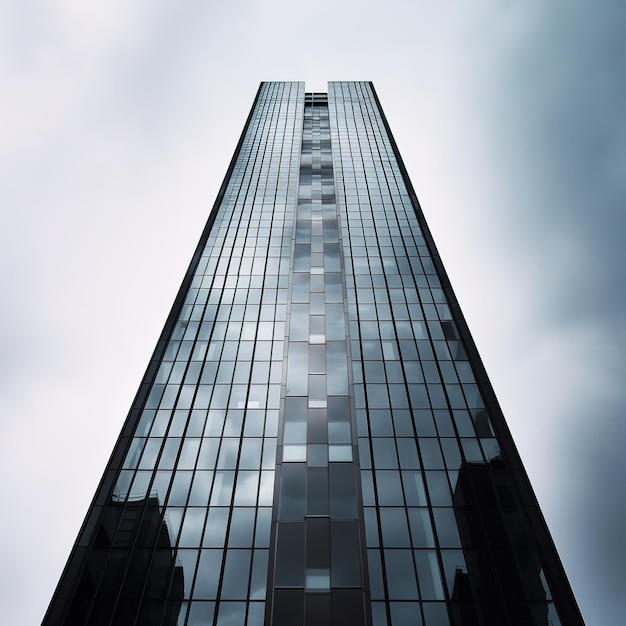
118,121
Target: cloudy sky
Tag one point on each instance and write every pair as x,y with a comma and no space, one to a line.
118,121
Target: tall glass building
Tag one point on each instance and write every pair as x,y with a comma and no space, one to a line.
315,440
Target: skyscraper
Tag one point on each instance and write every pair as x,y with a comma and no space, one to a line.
315,440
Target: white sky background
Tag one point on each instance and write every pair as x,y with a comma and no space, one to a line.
117,123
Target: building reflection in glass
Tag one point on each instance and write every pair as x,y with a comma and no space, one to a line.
133,555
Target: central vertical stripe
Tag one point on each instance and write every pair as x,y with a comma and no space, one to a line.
318,570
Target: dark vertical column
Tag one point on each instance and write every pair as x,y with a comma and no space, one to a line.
318,571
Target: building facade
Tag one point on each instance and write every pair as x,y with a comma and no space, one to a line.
315,440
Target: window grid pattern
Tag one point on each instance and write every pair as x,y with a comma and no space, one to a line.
200,468
318,570
429,458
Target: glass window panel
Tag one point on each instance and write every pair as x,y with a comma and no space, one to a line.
297,369
317,491
241,528
186,559
193,525
438,488
164,372
339,454
317,359
421,528
290,555
388,488
437,397
408,614
380,423
215,528
236,575
258,583
189,452
231,614
134,452
473,396
401,584
447,531
491,449
160,485
472,451
342,494
150,453
398,396
250,453
435,613
379,614
364,453
208,453
169,454
140,485
173,518
444,423
269,453
337,368
294,430
253,425
317,388
317,579
455,569
242,372
419,397
384,453
196,423
428,574
318,455
377,397
451,453
238,395
222,488
455,395
260,370
247,488
374,372
371,527
145,422
299,322
424,424
215,423
263,523
414,488
200,614
407,452
292,497
413,371
482,423
345,554
393,524
180,489
376,575
228,454
186,397
266,489
431,453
